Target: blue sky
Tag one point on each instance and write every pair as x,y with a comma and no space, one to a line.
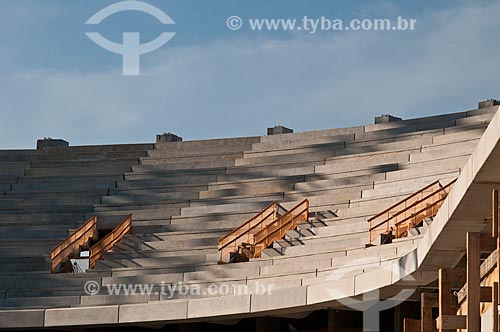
209,81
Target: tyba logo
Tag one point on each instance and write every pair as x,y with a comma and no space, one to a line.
131,48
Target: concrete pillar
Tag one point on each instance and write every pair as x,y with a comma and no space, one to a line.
168,137
276,130
48,142
386,118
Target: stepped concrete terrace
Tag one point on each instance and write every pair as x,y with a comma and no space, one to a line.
185,195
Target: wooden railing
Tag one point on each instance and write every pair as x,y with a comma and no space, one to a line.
277,229
230,242
259,232
105,244
410,212
72,244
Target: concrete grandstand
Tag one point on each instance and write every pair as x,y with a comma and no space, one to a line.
202,235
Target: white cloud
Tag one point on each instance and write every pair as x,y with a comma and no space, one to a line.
239,87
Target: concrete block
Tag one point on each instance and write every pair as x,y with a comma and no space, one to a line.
81,316
242,272
166,160
40,302
279,299
372,280
386,118
219,306
99,300
257,286
330,290
154,311
430,122
315,134
276,130
295,268
21,318
48,142
404,266
168,137
488,103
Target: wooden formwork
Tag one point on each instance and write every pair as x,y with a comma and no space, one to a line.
468,293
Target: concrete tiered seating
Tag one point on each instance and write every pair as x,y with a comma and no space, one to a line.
13,165
185,195
226,203
51,198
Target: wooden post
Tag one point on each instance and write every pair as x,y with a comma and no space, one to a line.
445,300
473,283
448,320
496,231
427,302
411,325
494,213
494,311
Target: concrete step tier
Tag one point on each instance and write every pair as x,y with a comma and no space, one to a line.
185,195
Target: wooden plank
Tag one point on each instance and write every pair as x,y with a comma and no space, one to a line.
487,267
72,243
454,275
445,299
473,283
489,264
488,243
494,311
230,242
485,294
98,250
411,325
494,213
451,322
496,288
496,230
427,302
276,230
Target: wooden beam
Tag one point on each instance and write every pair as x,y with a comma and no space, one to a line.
454,275
485,294
487,267
427,302
451,322
496,289
411,325
494,311
445,296
489,264
488,243
473,283
494,213
496,228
